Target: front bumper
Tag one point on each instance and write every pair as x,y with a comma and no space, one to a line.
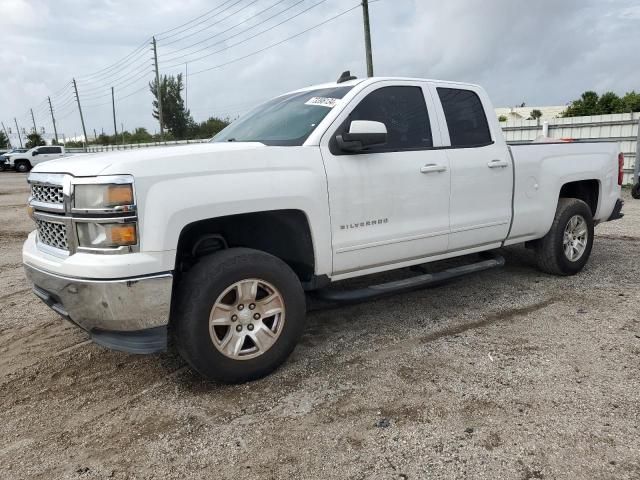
127,314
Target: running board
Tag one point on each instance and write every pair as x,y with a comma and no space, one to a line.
412,283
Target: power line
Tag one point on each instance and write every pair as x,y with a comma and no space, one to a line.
232,36
94,92
116,64
91,86
277,43
246,39
161,34
221,20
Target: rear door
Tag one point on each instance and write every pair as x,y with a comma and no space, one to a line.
391,203
481,168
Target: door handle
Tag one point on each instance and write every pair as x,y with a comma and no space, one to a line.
433,168
498,164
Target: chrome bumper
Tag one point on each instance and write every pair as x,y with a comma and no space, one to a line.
129,314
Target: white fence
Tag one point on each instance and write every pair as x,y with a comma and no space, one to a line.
621,128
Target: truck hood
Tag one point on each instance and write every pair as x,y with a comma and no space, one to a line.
151,161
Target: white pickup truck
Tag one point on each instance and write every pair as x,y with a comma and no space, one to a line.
25,161
213,246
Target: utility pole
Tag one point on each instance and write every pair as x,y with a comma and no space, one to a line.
95,135
367,37
53,119
18,130
113,104
35,129
186,86
5,133
84,130
122,129
158,89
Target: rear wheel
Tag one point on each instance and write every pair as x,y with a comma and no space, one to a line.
635,191
23,166
565,250
239,315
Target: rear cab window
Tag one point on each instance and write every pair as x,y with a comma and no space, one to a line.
466,118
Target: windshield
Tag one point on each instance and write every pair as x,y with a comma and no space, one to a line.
286,120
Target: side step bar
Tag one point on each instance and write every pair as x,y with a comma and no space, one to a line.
406,284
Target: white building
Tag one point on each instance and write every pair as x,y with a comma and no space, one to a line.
524,113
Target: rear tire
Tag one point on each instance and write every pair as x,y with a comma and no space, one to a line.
218,301
23,166
566,248
635,191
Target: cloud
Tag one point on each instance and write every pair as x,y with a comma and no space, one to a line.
543,52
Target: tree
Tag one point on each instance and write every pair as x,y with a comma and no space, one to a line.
4,141
609,102
140,135
208,128
175,118
631,101
590,103
34,140
502,118
535,114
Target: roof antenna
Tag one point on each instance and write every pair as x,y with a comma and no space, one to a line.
346,76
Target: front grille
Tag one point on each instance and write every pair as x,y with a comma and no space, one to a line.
52,234
47,193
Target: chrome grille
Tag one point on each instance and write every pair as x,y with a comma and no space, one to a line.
47,193
52,234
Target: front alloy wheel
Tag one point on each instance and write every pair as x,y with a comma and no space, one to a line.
247,319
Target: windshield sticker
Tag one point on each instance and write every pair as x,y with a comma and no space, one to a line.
323,101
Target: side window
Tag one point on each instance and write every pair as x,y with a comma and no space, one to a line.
466,119
404,113
44,150
55,150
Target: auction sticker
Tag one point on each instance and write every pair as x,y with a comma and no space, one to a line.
323,101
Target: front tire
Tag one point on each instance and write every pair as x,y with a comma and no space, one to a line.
566,248
635,191
23,166
239,315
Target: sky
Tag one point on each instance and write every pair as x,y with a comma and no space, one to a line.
541,52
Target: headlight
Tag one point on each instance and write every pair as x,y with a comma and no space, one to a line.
106,235
95,196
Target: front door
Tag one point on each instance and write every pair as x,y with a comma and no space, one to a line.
391,203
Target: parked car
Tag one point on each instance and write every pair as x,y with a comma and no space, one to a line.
26,160
215,245
4,157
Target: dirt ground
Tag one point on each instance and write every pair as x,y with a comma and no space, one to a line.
510,374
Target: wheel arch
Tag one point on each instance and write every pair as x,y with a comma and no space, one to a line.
586,190
285,234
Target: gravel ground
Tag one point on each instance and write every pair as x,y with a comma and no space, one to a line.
510,373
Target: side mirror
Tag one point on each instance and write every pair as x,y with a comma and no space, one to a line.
362,135
35,152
